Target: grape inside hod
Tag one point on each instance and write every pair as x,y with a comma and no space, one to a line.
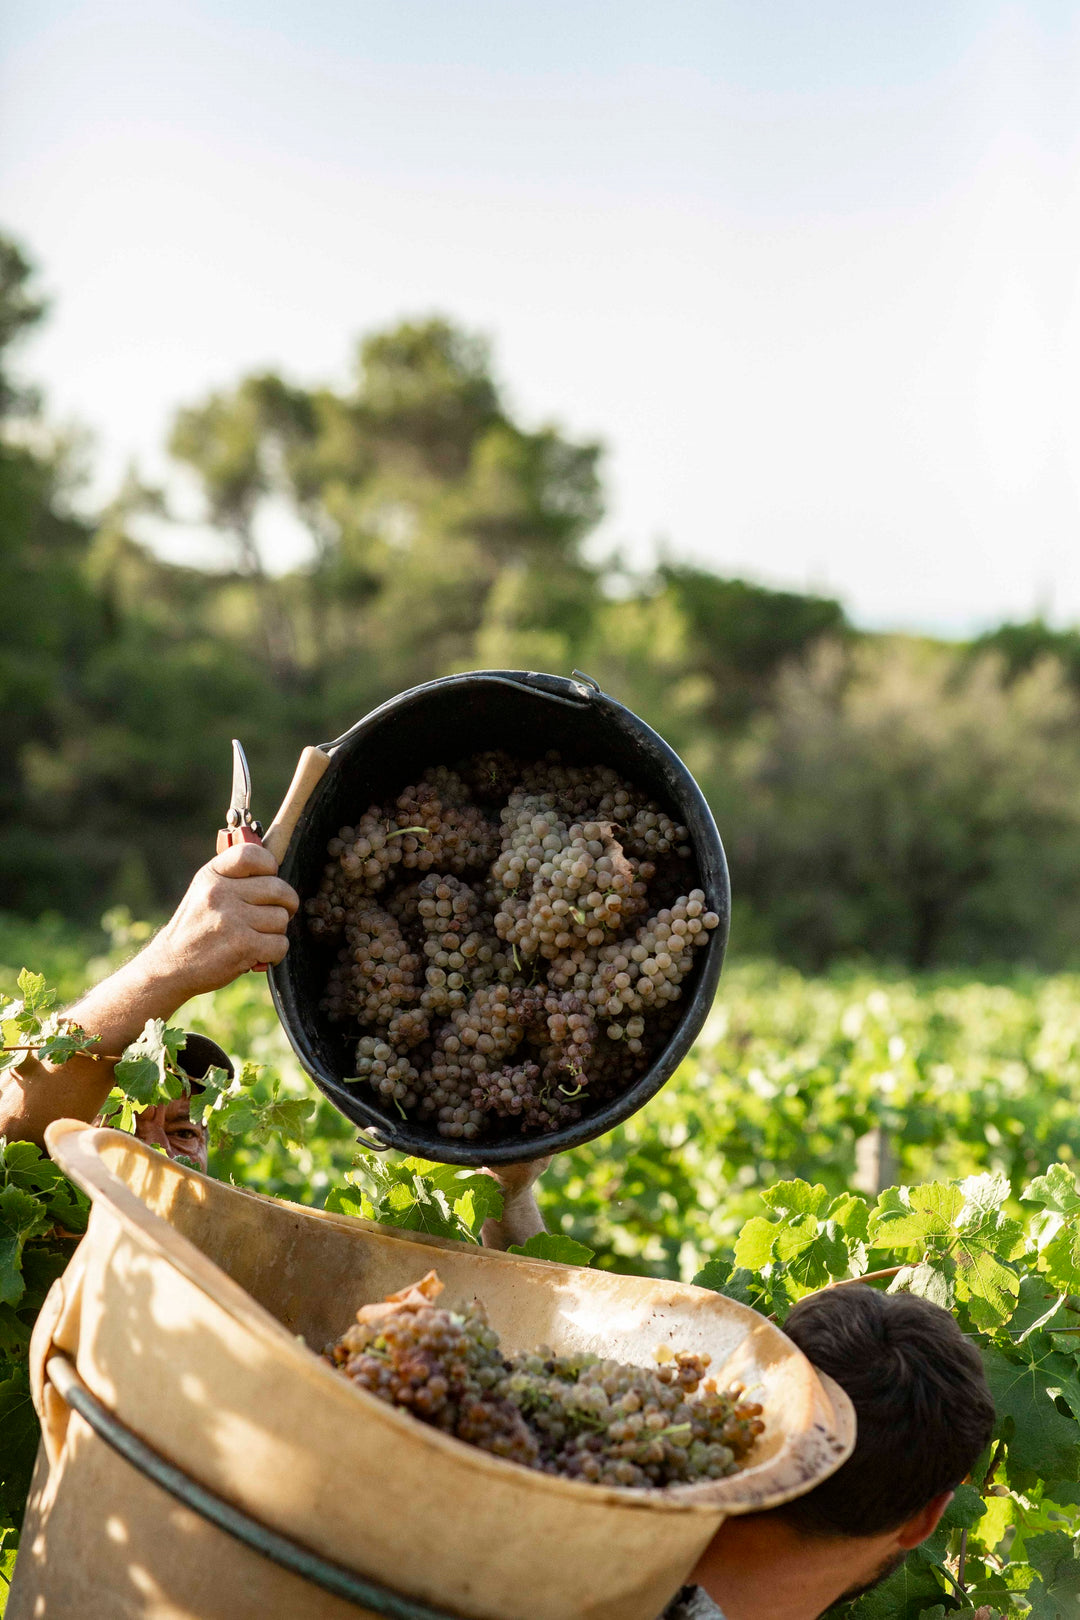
582,1416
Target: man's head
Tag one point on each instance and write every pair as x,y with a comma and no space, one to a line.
169,1125
924,1415
921,1400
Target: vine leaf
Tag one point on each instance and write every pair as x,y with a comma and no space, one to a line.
1059,1228
146,1065
36,995
928,1280
964,1222
754,1245
19,1427
554,1246
474,1198
22,1216
1056,1190
60,1040
1042,1442
348,1199
1037,1307
282,1118
734,1282
215,1085
912,1217
815,1238
796,1198
1056,1595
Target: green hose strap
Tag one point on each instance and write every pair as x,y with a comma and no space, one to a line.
298,1560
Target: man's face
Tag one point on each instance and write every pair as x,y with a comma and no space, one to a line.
884,1570
170,1126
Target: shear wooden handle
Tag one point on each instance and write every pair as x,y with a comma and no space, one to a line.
310,770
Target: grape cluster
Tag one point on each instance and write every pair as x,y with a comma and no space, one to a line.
443,1366
375,973
610,1423
456,943
647,971
389,1073
429,826
506,975
559,887
582,1416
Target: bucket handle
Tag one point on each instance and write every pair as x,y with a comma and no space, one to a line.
584,688
374,1141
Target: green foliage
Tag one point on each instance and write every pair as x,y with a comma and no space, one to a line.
1024,645
553,1246
740,1174
743,634
419,1196
41,1218
954,1243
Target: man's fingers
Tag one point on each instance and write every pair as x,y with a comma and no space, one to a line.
272,947
269,920
244,860
269,891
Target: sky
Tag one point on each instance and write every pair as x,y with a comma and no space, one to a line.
808,269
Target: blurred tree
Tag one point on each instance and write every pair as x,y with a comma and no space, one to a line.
899,803
417,490
741,634
21,308
901,799
50,616
1022,645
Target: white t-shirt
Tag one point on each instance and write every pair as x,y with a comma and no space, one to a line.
692,1603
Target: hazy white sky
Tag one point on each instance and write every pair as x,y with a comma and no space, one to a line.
809,269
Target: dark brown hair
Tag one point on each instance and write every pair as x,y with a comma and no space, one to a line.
921,1399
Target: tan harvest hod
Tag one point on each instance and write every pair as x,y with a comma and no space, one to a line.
192,1309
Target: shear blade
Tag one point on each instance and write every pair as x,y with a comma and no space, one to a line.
241,782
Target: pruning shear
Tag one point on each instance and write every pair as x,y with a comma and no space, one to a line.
240,825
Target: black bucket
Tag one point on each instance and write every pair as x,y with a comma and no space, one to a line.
437,724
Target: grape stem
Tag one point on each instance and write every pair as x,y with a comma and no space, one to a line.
80,1051
869,1276
999,1452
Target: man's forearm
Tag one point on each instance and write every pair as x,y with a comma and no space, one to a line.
234,916
36,1093
520,1220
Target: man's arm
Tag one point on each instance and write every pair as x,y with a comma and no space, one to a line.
521,1218
233,916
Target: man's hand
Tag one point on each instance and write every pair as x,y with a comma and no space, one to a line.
232,918
521,1218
